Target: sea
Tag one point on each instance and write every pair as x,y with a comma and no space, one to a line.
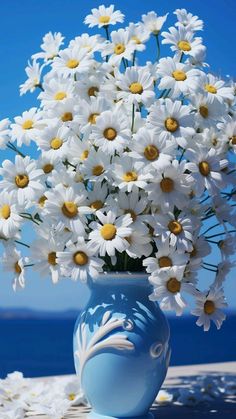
41,344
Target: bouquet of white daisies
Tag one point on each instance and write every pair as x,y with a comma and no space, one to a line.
134,165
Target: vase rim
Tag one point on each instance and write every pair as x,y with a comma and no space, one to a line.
122,278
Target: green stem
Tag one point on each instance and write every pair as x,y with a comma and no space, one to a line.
158,47
220,234
14,148
208,269
30,264
23,244
210,228
134,56
108,38
133,115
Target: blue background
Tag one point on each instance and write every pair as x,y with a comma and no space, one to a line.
23,25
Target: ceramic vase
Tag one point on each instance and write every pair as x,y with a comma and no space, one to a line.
121,346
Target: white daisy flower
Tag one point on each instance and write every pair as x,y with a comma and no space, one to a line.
136,86
227,246
97,196
120,47
88,111
13,262
33,72
206,170
104,16
72,61
134,204
78,150
90,43
179,231
50,46
168,290
188,20
10,219
172,121
4,133
214,88
27,126
182,41
209,308
139,34
128,174
90,85
56,89
180,78
63,113
170,186
165,257
23,177
110,133
109,233
96,167
164,397
74,393
154,23
68,206
228,133
139,242
223,270
79,260
53,141
44,256
208,112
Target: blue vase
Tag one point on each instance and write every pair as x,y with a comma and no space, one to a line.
121,348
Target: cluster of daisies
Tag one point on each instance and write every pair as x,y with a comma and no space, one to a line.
22,397
135,168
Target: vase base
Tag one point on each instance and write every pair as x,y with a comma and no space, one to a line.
94,415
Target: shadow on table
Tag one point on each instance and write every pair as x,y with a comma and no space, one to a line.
222,406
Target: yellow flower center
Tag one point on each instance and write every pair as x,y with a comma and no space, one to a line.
28,124
67,116
179,75
108,231
52,258
92,118
72,63
56,143
203,110
42,200
119,49
136,88
110,133
92,90
71,396
5,211
209,307
96,205
173,285
136,39
175,227
151,152
60,95
21,180
204,168
167,185
80,258
164,262
47,168
17,268
104,19
233,139
184,46
210,88
130,177
84,155
98,170
171,124
69,209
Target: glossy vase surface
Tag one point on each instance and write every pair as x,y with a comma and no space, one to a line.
121,346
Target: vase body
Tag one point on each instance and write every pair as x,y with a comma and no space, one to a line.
121,346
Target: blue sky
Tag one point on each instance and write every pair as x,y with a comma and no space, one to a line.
23,25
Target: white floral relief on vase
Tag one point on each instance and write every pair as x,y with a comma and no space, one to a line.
100,340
